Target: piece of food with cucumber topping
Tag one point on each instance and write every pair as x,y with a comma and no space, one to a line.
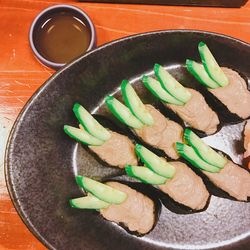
108,150
197,114
203,150
82,136
116,202
137,213
210,64
171,85
135,109
222,172
90,124
88,202
100,190
233,98
199,72
135,104
117,151
231,95
192,108
182,184
157,164
162,134
232,179
145,175
158,91
188,153
186,187
122,113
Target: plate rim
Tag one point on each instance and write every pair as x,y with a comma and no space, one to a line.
20,116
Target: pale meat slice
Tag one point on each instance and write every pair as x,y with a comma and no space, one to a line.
235,96
247,139
232,179
119,150
197,113
186,187
163,134
137,212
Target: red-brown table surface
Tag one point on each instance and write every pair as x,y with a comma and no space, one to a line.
21,74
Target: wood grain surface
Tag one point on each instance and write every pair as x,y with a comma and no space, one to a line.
21,74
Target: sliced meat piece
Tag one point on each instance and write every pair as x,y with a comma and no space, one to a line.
163,134
119,150
172,133
232,179
197,113
137,212
247,137
235,96
247,144
186,187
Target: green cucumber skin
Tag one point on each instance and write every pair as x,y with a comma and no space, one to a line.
91,141
130,173
158,181
217,161
88,202
167,172
85,182
201,47
180,98
167,98
145,118
209,83
98,131
209,168
109,103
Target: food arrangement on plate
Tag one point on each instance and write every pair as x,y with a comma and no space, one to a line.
177,178
42,162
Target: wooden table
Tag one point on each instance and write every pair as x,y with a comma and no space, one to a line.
21,74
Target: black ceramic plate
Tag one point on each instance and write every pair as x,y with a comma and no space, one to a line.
41,161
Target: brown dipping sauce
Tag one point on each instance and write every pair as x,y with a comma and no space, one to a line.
62,37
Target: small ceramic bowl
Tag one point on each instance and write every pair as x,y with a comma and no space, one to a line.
54,10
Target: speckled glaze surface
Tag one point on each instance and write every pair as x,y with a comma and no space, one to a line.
41,161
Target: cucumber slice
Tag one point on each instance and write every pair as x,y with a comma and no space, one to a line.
90,124
204,151
135,104
101,191
145,175
88,202
169,83
211,66
82,136
122,113
199,72
156,89
157,164
190,155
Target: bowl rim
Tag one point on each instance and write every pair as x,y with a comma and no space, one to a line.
9,184
44,12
